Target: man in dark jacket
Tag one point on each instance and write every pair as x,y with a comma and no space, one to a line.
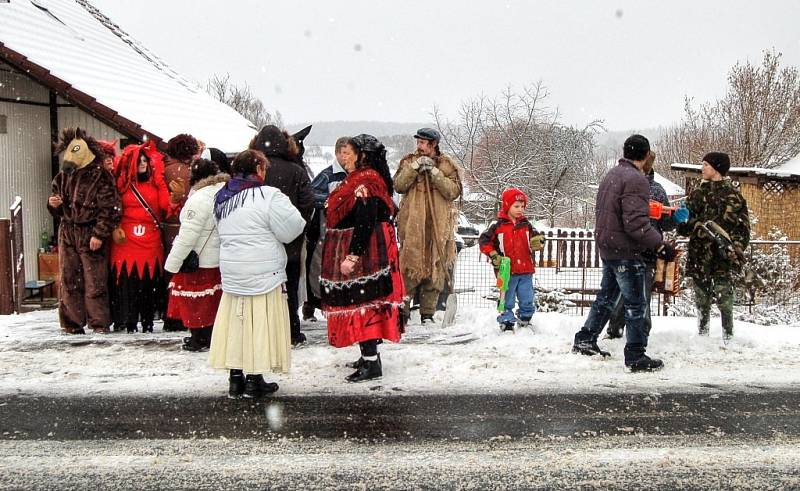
292,179
322,185
663,224
624,233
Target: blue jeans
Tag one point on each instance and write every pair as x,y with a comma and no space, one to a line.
617,323
520,290
626,278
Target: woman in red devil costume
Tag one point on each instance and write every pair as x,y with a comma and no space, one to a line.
138,292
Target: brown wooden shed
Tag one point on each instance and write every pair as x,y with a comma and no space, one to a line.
773,195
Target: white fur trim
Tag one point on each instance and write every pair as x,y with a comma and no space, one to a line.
341,285
193,294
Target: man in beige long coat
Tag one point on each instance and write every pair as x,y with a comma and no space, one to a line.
429,182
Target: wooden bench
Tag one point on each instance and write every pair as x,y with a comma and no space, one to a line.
35,287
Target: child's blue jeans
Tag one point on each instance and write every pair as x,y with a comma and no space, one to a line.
520,291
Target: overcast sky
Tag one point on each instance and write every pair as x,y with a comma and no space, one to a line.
629,63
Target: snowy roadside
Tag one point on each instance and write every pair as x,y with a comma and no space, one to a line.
469,357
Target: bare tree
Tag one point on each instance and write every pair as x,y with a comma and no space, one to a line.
516,140
242,100
757,122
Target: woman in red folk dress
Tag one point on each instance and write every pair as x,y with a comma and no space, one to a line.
138,291
361,285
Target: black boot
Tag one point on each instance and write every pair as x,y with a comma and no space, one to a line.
589,348
308,312
359,363
131,328
255,386
235,384
195,341
299,339
355,364
426,319
368,370
506,326
644,364
207,331
172,325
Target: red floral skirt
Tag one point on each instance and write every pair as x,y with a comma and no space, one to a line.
373,317
194,297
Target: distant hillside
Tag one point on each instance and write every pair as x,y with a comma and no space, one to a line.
326,132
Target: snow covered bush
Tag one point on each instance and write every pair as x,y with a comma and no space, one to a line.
764,288
554,300
769,275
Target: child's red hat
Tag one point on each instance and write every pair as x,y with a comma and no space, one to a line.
511,196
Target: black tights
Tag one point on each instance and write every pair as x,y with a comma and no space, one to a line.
369,348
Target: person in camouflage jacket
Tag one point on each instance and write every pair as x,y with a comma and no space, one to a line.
710,266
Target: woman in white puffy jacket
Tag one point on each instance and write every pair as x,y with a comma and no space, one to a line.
251,331
194,295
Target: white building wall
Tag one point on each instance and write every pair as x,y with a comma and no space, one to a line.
25,155
70,117
25,160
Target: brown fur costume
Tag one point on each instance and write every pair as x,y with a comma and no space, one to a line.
425,257
90,208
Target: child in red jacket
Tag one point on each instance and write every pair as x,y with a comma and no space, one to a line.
513,236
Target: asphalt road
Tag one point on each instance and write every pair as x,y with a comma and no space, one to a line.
402,418
746,440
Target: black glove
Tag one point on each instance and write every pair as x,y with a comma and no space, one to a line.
666,251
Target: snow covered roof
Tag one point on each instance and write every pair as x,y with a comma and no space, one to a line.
670,187
72,48
790,168
476,196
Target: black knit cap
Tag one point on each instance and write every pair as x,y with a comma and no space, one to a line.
719,161
636,147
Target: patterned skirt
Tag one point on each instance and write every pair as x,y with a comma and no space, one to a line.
368,303
194,297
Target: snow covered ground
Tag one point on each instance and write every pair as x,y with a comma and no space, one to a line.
470,357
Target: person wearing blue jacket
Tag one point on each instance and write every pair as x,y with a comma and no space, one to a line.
322,185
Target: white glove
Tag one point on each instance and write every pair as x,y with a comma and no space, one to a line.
425,164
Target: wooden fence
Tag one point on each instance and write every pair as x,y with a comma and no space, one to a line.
12,260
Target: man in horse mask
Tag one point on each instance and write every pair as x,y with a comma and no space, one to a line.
86,201
429,182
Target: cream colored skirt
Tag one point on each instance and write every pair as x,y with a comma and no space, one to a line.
251,333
